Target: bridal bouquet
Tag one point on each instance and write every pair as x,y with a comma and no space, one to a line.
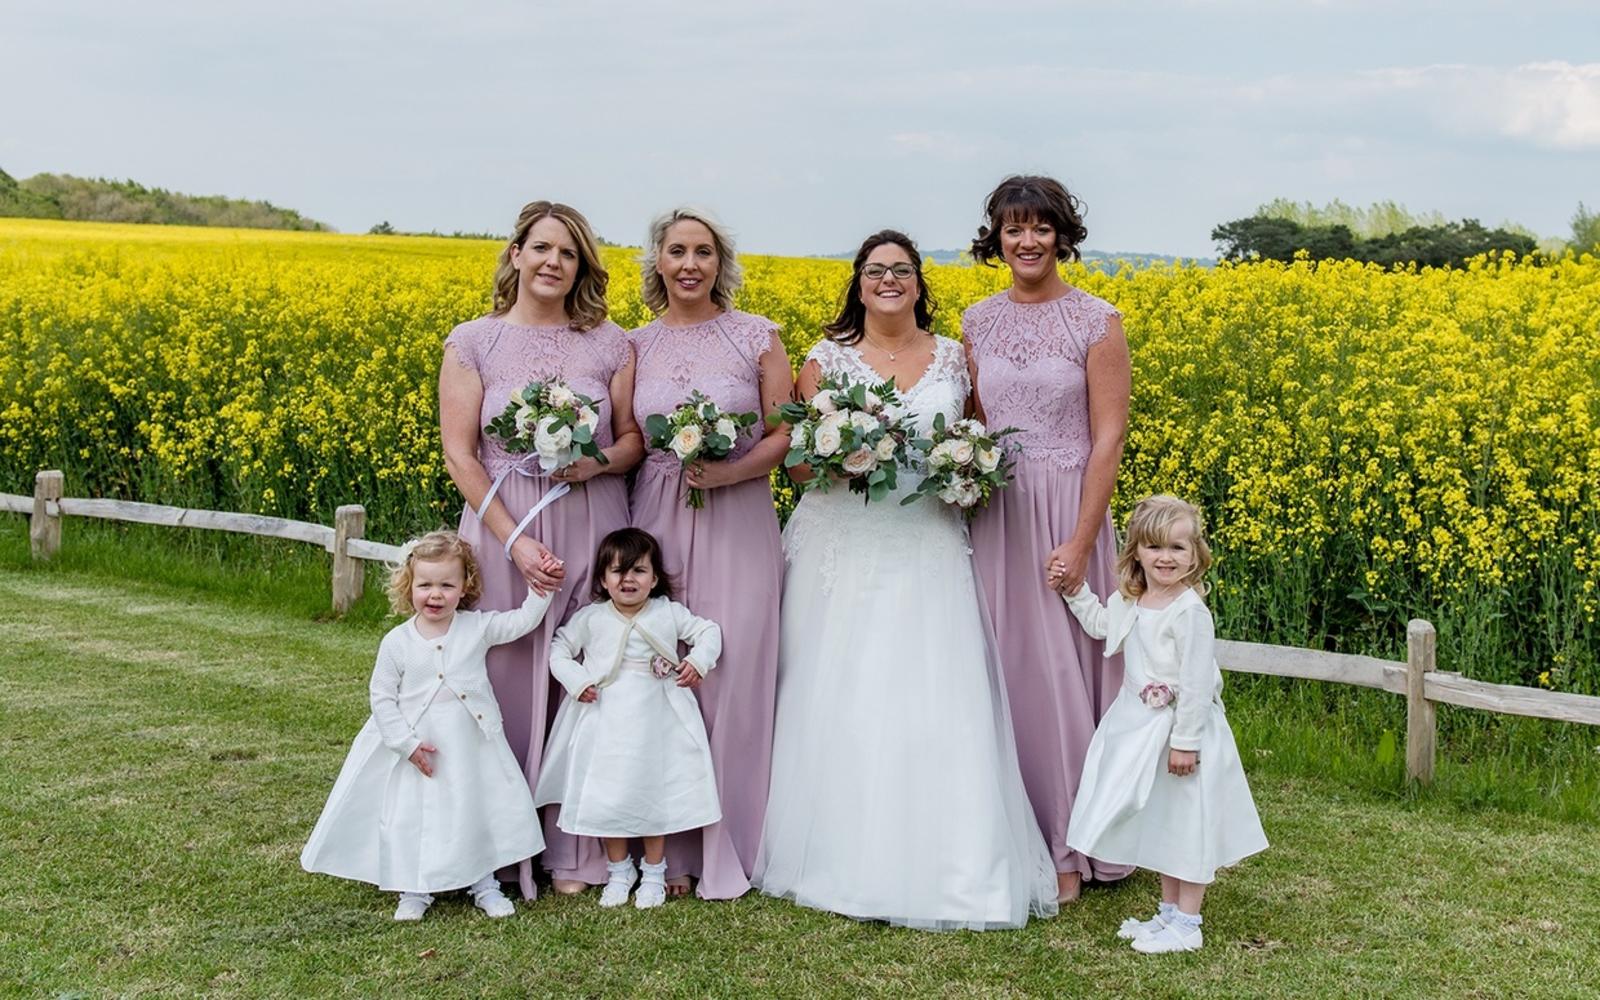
965,464
552,421
849,430
696,429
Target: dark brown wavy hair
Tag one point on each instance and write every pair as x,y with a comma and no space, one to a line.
1025,198
586,301
623,547
852,319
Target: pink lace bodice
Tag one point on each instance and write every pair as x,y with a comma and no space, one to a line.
720,357
507,357
1031,359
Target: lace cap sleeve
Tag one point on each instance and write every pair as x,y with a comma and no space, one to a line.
612,345
466,345
978,318
1098,315
754,334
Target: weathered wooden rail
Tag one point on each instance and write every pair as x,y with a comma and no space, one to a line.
1424,687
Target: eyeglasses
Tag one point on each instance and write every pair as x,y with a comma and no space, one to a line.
901,270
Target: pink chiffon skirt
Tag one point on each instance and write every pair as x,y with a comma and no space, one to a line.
1058,682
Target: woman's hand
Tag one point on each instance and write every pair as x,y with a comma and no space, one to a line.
688,675
1182,762
1067,566
709,475
420,758
538,565
588,694
581,471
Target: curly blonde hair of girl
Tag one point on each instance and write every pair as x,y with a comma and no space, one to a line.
586,302
1154,521
435,546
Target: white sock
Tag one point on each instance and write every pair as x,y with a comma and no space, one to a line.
1183,919
655,872
427,900
1166,910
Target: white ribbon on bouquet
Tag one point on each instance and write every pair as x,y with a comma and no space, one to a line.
555,493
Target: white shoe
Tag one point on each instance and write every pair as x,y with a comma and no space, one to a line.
494,903
619,883
1170,937
1133,928
412,906
653,888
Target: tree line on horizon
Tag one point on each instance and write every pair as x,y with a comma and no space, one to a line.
83,199
1386,233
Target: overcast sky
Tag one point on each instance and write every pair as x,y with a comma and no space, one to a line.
808,124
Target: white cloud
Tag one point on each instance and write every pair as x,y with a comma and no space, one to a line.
1551,104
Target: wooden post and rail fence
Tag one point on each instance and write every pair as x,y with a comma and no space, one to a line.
1423,686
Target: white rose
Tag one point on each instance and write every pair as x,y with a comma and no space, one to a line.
886,445
686,441
859,461
988,459
948,494
939,457
966,492
828,438
968,426
559,395
800,435
587,417
863,422
960,451
894,414
873,402
823,401
551,440
726,428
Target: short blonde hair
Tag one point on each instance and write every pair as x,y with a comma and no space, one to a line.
1153,522
586,302
435,546
729,274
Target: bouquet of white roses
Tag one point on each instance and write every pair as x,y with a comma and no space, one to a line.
851,431
552,421
696,429
965,464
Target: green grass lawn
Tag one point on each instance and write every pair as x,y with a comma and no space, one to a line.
172,725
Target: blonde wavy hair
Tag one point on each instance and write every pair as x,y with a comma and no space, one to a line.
730,275
1154,521
586,302
435,546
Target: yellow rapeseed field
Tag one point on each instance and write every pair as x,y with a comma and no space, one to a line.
1369,445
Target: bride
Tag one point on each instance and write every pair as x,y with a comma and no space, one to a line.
895,793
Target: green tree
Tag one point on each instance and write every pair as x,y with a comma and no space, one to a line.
1585,229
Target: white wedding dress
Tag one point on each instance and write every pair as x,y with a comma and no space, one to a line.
895,791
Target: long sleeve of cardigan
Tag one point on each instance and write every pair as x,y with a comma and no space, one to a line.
1090,612
383,691
703,635
1196,678
568,642
506,626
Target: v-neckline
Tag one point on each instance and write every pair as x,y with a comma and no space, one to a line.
926,371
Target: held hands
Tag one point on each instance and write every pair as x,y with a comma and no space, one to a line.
1066,567
688,675
588,694
420,757
708,475
538,565
1182,762
581,471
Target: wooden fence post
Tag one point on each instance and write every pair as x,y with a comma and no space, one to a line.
44,530
349,576
1421,650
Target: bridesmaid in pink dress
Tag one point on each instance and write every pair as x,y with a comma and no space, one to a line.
1050,360
549,321
725,558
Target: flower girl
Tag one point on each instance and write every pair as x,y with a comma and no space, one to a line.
1162,784
430,797
627,755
